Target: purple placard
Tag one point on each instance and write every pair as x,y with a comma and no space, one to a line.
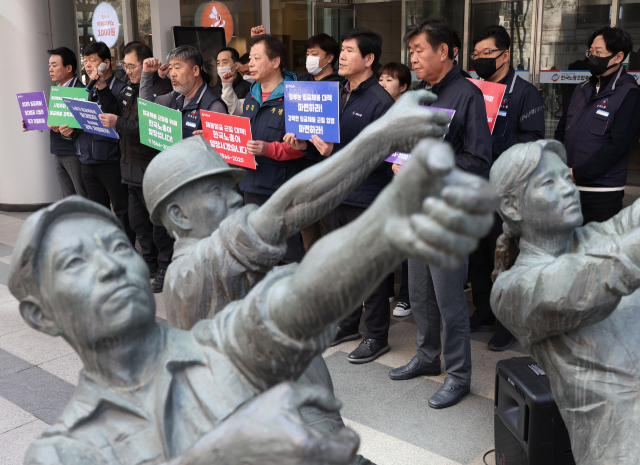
33,107
400,158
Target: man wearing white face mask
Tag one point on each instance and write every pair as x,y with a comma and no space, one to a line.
322,54
227,61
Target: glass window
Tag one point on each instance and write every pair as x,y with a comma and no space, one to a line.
515,17
291,21
385,19
629,20
141,11
566,26
85,9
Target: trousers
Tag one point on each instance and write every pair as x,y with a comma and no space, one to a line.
600,206
437,295
377,316
69,171
103,183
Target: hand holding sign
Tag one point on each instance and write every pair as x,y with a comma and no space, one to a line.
295,143
34,111
66,131
108,120
325,148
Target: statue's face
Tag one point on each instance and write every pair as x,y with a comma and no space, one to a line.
551,202
208,202
94,284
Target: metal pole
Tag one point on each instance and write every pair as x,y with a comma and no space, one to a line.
265,15
615,12
127,20
403,31
466,33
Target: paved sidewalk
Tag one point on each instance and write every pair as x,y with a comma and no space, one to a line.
38,374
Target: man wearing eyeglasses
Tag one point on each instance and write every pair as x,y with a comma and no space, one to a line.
599,124
520,119
155,244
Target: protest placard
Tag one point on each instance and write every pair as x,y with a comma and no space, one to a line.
228,135
59,114
86,113
400,158
493,93
33,107
160,127
312,108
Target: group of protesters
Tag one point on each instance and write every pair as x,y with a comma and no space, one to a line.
597,128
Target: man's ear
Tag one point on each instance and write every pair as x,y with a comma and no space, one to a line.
369,60
276,63
32,312
177,217
509,208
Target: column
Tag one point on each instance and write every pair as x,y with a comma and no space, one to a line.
164,15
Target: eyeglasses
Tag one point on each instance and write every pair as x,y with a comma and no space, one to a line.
589,53
486,53
131,67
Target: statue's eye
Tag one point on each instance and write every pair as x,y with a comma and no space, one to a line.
548,182
74,263
121,247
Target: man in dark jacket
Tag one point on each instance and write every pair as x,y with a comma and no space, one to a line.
437,294
363,101
227,61
599,125
155,244
322,56
100,155
62,69
190,94
520,119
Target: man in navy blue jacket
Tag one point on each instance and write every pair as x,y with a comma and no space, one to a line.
437,294
363,101
100,155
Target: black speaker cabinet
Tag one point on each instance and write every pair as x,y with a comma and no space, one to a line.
528,427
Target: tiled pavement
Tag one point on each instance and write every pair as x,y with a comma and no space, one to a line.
38,374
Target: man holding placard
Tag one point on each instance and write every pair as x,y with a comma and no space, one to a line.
62,69
190,94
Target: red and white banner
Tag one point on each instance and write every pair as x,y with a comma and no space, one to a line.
493,94
228,135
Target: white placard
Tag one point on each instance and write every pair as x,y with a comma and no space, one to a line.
105,24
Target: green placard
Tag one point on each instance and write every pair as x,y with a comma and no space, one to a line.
59,114
160,127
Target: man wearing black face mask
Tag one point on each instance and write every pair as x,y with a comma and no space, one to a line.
520,119
599,125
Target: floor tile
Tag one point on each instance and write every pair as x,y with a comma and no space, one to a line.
14,443
10,364
10,318
490,460
9,232
38,392
5,270
5,295
161,310
66,368
6,218
6,259
34,347
383,449
17,215
5,250
12,416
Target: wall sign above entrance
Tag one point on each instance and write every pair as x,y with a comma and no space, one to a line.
105,24
215,14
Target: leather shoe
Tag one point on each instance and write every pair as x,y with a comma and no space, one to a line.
449,394
501,340
413,369
344,336
368,351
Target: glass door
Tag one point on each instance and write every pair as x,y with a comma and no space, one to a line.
333,19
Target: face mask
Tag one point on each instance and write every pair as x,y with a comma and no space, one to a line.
222,70
599,65
247,77
486,67
313,65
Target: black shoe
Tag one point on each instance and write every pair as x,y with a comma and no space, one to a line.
368,351
501,340
344,336
478,324
153,274
158,284
414,369
448,395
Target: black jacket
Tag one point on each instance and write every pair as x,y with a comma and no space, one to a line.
58,144
240,87
333,77
368,102
469,131
520,118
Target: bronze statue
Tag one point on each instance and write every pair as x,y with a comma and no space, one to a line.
571,299
155,395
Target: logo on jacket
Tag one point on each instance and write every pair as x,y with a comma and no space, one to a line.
504,101
194,112
603,104
353,113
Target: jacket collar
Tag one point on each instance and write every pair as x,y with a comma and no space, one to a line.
180,351
278,92
610,83
448,78
364,85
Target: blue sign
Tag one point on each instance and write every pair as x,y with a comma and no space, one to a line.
312,108
87,115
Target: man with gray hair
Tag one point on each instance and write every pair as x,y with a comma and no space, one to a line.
191,91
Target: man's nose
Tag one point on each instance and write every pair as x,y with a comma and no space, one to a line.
110,268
